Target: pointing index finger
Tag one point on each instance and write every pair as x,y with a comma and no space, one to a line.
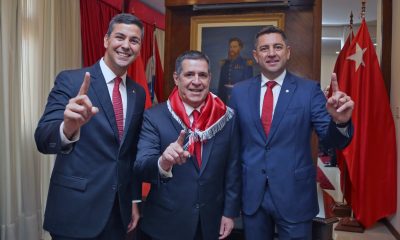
85,85
181,138
334,83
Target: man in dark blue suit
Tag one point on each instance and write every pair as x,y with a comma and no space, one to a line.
277,113
92,122
188,150
234,69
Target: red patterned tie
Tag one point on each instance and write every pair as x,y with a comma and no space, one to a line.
268,105
117,105
197,145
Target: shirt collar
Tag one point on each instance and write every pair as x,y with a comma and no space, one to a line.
189,109
108,74
278,80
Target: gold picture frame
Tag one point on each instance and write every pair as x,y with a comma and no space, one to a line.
213,35
198,23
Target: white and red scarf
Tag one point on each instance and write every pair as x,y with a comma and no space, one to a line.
213,117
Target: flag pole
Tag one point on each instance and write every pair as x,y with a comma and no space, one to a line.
350,224
342,209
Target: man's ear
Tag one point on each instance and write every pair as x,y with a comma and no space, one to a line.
106,41
255,56
288,52
175,76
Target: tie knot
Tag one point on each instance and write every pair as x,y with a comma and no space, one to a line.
195,114
117,81
271,84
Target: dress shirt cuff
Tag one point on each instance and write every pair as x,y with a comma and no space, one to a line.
163,173
64,140
136,201
66,144
344,130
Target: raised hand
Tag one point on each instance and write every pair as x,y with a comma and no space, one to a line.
174,153
79,109
339,105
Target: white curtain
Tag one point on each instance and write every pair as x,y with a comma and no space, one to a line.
38,39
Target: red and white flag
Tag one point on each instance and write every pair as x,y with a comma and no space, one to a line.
371,155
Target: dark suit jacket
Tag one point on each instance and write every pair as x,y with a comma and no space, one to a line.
283,160
87,176
175,205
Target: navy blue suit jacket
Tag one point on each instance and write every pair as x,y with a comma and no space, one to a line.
88,174
175,205
283,159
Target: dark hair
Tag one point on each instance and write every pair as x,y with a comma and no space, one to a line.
236,39
268,30
124,18
193,55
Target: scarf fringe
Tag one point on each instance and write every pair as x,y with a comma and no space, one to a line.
207,134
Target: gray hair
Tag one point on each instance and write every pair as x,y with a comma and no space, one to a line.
193,55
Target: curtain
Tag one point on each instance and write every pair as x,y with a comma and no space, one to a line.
95,16
38,39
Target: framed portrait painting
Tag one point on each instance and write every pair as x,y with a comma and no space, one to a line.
228,40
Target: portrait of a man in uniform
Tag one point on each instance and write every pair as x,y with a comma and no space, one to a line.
234,68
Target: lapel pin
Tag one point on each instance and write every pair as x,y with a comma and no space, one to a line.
133,91
287,90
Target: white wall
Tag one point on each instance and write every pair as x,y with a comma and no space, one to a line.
395,98
327,65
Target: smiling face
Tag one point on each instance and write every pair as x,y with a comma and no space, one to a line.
271,54
122,47
193,82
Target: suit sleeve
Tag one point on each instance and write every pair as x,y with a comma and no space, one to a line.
47,133
149,150
233,175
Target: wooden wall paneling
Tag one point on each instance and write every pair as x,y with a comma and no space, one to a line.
386,60
302,25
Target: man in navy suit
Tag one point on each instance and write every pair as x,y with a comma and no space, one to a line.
188,150
277,112
92,122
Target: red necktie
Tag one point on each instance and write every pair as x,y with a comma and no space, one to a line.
268,105
197,145
117,105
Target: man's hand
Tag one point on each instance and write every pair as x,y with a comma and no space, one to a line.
226,227
339,105
79,110
135,217
174,153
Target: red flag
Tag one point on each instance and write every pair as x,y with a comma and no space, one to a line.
371,155
136,72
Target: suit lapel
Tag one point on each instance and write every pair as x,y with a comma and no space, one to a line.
205,155
130,106
285,96
100,88
254,96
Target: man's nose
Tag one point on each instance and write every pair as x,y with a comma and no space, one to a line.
271,52
196,79
125,44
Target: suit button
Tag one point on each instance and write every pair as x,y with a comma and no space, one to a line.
114,187
263,171
197,206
